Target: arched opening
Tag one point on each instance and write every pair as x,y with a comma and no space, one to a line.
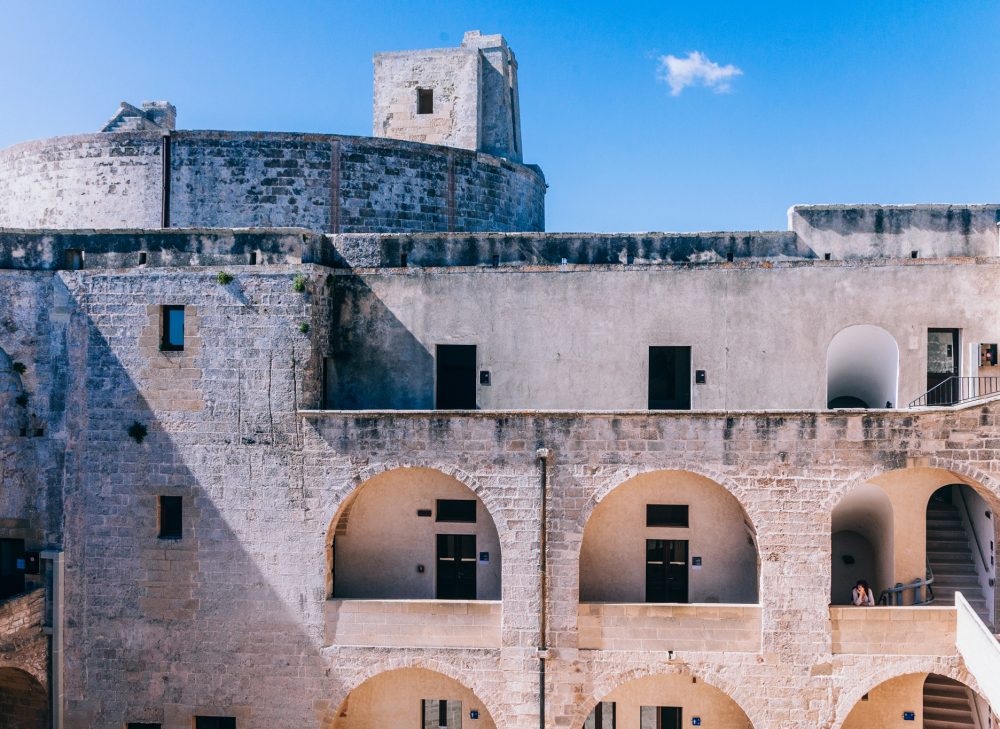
667,702
862,539
412,698
961,535
669,537
929,700
24,703
862,368
414,533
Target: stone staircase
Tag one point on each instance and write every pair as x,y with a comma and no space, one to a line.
951,558
947,704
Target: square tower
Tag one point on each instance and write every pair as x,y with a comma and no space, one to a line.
462,97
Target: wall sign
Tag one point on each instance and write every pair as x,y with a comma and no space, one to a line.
473,713
484,558
695,721
909,716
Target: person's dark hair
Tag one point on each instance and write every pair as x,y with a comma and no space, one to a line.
862,583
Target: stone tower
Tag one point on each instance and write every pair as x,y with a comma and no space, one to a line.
459,97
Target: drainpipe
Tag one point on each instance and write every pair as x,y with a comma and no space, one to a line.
55,559
542,455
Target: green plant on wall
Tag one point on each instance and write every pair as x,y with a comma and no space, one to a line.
299,283
224,278
304,328
137,431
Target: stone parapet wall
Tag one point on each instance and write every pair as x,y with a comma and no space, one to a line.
412,623
894,630
699,628
324,183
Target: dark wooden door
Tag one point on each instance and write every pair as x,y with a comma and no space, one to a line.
456,566
666,570
456,377
669,378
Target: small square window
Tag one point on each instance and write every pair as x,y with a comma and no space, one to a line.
666,515
215,722
456,510
171,523
172,329
425,101
73,259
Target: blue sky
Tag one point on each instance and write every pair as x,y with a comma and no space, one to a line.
837,101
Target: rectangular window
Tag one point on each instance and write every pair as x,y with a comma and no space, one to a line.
602,717
214,722
12,564
440,714
660,717
666,515
456,510
73,259
171,525
142,725
425,101
172,329
669,378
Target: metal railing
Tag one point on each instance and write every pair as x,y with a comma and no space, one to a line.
923,593
956,390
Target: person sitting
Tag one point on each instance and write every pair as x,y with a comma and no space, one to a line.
862,595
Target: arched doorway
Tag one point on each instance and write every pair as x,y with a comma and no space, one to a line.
862,368
669,537
861,540
666,702
960,534
24,703
927,699
412,698
414,533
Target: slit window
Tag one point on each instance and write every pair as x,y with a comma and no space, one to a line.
171,522
172,329
666,515
440,714
73,259
142,725
425,101
456,510
215,722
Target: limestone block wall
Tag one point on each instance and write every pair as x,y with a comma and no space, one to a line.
23,644
895,231
324,183
410,623
643,626
928,630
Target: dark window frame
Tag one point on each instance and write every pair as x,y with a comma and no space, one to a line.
668,515
143,725
170,517
166,344
425,101
455,511
214,722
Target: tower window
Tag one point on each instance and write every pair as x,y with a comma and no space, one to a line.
457,510
172,329
425,101
171,523
215,722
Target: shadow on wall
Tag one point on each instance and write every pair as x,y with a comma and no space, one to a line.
862,368
374,361
13,402
861,528
138,600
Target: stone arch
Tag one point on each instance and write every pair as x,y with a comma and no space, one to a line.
861,530
607,684
372,483
24,701
862,368
704,495
872,676
454,671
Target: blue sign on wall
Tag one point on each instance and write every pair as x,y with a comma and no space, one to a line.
695,721
473,714
909,716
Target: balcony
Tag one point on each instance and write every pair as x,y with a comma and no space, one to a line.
702,627
414,623
907,631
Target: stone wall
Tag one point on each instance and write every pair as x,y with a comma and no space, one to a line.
411,623
324,183
23,644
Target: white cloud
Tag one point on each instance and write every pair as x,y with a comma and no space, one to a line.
696,70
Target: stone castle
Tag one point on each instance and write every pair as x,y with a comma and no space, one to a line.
304,430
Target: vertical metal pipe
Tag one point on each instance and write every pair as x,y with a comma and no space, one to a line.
542,454
165,187
55,559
